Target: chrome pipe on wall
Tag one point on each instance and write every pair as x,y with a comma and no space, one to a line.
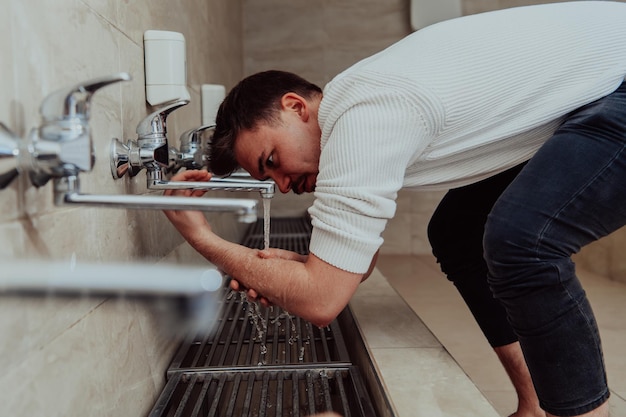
189,298
67,191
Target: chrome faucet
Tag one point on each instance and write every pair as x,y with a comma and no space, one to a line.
151,149
9,156
192,153
62,144
62,147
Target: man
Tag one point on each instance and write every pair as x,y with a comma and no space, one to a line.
520,113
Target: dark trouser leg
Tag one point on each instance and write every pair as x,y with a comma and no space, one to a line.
456,232
572,192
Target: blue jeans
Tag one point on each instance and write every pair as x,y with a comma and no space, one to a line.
571,193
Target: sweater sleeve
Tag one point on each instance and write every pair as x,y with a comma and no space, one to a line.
367,144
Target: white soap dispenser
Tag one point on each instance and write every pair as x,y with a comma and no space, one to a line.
165,66
212,97
427,12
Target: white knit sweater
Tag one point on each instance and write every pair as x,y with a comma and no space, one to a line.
452,104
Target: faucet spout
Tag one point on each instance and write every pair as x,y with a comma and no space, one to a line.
66,191
265,188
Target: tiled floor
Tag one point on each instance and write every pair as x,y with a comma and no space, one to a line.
419,281
417,372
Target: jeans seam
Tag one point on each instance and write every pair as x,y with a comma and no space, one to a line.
549,222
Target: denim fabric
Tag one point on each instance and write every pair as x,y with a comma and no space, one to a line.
572,192
456,237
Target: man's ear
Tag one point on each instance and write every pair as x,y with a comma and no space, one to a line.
296,103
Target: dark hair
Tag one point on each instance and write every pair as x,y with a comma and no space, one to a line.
256,99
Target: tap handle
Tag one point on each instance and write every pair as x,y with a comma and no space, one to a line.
74,102
192,153
9,151
192,138
155,123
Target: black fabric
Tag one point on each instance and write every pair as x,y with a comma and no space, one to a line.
456,233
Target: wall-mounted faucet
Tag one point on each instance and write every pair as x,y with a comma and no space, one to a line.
9,156
151,152
192,153
62,147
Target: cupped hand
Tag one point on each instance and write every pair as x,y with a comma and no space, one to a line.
251,294
275,253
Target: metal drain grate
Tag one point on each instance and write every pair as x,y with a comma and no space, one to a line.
263,362
300,226
248,335
265,393
294,244
286,233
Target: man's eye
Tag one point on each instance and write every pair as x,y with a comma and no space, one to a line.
270,161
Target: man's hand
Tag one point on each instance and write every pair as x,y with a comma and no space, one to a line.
271,253
251,294
188,222
274,253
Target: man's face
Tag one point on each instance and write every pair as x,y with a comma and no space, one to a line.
287,152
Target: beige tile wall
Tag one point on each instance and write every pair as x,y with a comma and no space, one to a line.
320,39
95,357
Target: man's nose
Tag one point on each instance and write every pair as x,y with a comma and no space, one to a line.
283,183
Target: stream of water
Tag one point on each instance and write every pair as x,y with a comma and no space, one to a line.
254,309
266,222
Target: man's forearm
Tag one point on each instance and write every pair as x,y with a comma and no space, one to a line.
291,284
313,290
